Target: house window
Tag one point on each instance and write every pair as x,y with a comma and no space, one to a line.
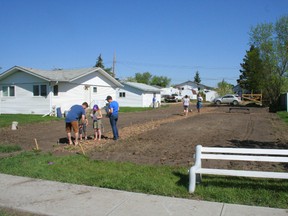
8,91
122,94
39,90
94,89
55,90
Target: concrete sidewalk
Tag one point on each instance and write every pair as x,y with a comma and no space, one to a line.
54,198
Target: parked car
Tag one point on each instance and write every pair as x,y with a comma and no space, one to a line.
227,99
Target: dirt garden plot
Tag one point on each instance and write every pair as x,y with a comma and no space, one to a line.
164,136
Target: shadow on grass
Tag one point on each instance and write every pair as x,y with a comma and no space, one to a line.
273,185
183,179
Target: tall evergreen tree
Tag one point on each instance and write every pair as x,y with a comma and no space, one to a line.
251,78
99,62
197,78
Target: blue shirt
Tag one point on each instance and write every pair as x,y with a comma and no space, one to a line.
115,106
75,113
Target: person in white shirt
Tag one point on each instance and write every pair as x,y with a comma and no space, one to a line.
186,103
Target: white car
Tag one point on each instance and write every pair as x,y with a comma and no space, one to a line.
227,99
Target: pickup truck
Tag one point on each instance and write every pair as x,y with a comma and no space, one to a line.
171,98
177,97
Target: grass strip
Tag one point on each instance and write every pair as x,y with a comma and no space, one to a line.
139,109
9,148
149,179
7,119
283,115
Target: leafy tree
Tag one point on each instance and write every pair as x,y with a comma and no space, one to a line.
148,79
272,42
252,68
224,88
160,81
143,77
197,77
131,79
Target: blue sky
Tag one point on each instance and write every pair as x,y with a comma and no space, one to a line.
172,38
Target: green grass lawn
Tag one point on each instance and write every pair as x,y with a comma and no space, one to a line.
134,109
160,180
139,109
7,119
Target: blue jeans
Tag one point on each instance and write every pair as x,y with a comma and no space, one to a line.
113,123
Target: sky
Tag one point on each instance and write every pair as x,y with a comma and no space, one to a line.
171,38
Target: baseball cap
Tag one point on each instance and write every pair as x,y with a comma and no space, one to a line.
108,98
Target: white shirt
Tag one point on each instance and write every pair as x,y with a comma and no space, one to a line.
186,101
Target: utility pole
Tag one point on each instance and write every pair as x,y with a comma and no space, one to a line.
113,66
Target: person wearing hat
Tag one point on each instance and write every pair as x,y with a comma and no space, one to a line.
113,109
96,115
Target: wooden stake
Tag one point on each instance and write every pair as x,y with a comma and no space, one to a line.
82,149
37,147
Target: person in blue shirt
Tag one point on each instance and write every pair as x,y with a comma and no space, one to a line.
113,116
76,113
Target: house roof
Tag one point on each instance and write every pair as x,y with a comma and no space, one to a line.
194,84
62,75
142,86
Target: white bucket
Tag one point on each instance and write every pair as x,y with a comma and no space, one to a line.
14,125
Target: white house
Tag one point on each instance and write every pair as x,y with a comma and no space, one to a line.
134,94
26,90
169,91
191,89
210,95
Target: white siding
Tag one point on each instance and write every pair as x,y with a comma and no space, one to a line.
24,101
148,99
68,95
210,95
81,90
76,92
169,91
133,97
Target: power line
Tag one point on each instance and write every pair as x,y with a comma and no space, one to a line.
188,67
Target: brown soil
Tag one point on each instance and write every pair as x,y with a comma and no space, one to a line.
163,136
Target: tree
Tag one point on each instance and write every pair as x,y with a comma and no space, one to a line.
272,42
224,88
160,81
148,79
143,77
130,79
251,73
100,64
197,78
